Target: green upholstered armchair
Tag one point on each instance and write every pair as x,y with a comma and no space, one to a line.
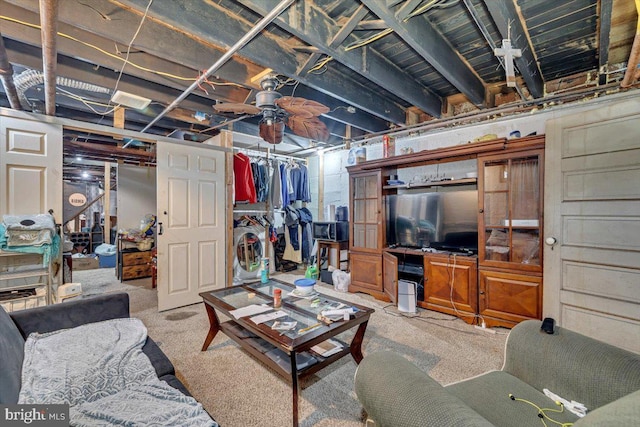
606,379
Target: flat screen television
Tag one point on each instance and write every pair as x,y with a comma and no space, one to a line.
444,221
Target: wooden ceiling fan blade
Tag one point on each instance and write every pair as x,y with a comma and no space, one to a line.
301,106
272,133
236,108
311,128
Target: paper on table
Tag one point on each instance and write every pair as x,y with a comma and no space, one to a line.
249,310
261,318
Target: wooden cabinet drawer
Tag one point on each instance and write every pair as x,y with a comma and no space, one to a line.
135,258
136,271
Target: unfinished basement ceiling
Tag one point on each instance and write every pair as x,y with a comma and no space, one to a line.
378,65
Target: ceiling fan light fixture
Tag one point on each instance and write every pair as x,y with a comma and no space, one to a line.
130,100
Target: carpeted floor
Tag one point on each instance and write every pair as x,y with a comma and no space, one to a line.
240,392
101,280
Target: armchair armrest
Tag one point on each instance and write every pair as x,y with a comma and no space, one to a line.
572,365
72,313
394,392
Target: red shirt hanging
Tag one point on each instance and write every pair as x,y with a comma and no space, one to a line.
245,187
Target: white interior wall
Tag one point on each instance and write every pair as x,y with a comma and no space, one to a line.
136,195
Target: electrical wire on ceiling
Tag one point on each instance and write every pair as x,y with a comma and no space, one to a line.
318,67
135,35
368,40
433,4
88,103
99,49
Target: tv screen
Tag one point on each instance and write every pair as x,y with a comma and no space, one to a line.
447,220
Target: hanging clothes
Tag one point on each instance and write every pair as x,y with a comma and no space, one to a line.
292,221
299,183
306,240
285,185
245,190
276,187
290,253
260,179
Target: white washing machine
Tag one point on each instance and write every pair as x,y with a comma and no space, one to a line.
249,246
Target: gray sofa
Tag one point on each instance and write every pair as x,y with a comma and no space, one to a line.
16,326
606,379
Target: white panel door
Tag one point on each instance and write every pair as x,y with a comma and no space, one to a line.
191,223
30,167
592,210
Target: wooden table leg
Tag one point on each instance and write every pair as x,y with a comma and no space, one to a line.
356,344
214,326
294,386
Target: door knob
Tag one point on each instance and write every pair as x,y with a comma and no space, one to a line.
550,241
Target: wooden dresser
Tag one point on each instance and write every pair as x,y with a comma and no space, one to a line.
134,264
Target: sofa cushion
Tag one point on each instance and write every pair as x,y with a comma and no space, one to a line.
174,382
488,395
73,313
159,360
11,355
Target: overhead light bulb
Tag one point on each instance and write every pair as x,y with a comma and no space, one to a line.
79,158
85,174
269,122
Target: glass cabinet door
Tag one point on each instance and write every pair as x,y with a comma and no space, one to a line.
366,211
511,210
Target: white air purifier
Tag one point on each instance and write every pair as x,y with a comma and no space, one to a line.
407,296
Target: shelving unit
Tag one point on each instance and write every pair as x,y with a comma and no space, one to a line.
503,282
427,184
17,266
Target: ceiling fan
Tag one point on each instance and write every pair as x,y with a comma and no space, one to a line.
300,114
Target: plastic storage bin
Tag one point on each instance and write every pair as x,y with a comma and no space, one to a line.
107,261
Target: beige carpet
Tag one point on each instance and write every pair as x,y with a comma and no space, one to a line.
240,392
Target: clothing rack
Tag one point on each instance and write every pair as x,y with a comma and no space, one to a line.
268,154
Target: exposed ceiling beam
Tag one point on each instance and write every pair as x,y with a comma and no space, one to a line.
505,15
427,41
268,51
108,43
377,24
30,57
365,61
49,25
604,30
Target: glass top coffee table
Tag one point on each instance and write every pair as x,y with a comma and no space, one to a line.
288,352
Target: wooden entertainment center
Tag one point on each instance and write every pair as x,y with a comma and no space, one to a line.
501,284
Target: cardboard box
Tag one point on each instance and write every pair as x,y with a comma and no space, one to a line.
86,263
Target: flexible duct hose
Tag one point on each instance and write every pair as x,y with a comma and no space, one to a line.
30,78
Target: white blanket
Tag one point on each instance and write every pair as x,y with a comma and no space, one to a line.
99,369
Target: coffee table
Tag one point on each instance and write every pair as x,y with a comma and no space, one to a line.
288,353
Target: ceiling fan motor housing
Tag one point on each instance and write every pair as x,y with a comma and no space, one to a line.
267,98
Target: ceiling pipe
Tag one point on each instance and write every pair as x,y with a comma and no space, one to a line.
634,56
6,76
224,58
49,33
